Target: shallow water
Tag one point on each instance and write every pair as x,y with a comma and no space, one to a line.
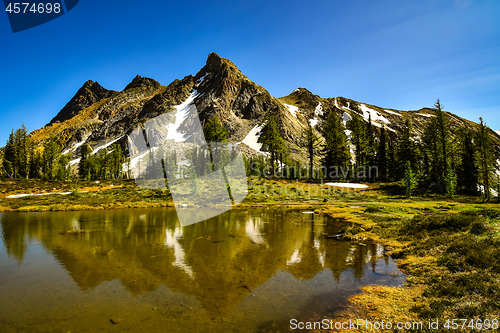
138,270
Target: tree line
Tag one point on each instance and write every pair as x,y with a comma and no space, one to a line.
464,162
22,158
352,150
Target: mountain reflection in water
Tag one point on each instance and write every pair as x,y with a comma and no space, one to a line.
243,270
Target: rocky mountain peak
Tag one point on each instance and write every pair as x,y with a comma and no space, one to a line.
87,95
142,82
217,65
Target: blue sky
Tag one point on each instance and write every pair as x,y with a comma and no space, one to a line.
395,54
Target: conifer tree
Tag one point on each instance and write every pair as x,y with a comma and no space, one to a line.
437,147
271,137
310,141
467,179
407,150
381,157
9,165
392,163
358,132
336,153
485,157
369,144
84,167
410,179
51,152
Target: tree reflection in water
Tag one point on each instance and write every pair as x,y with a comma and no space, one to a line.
218,262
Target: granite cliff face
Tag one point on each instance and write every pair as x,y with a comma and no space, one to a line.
98,116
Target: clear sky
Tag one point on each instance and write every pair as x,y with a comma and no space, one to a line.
401,54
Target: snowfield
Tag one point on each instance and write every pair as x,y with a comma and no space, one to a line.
292,108
426,115
106,145
252,137
394,113
181,114
319,109
376,117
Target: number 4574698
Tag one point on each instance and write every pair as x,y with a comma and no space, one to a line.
26,7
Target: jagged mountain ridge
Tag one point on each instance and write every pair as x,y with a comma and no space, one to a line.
99,116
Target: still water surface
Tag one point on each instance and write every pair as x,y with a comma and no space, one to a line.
138,270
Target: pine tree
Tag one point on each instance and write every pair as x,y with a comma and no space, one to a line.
485,157
310,141
51,152
407,150
335,152
214,132
358,132
467,172
23,146
437,147
84,164
392,167
443,136
410,179
271,137
9,165
381,155
369,144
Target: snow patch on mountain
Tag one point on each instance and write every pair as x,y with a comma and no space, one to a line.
200,80
394,113
319,109
376,116
426,115
106,145
252,137
347,117
181,114
498,132
313,122
292,108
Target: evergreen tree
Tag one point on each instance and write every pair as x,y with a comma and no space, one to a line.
9,165
369,144
467,172
310,141
358,132
381,157
214,132
407,150
450,182
410,179
392,167
84,166
437,147
35,164
62,167
51,152
485,157
336,153
23,146
271,137
117,159
443,137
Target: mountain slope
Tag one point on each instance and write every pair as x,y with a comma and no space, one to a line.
98,116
